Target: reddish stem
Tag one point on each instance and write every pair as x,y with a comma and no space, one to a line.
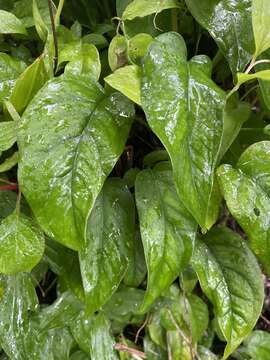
9,187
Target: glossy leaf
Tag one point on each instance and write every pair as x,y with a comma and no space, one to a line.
9,163
230,277
261,23
137,47
257,345
264,84
262,75
117,53
18,300
28,84
189,129
143,8
246,190
86,62
127,80
10,69
110,234
21,244
93,337
167,230
76,133
8,134
230,24
10,24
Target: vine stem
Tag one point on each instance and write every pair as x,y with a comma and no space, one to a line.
55,58
136,354
58,12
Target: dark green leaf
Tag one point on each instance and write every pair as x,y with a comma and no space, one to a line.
76,134
231,278
190,129
105,255
167,230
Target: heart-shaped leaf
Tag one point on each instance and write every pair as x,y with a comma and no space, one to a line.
76,133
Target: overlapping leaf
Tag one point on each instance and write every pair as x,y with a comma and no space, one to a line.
184,108
231,278
75,133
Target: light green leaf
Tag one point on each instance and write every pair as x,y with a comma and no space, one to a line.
10,24
117,53
40,25
261,24
257,345
76,134
246,190
10,69
21,244
262,75
86,62
230,24
137,47
190,129
127,80
9,163
143,8
18,300
110,234
8,134
93,336
79,355
167,229
28,84
231,278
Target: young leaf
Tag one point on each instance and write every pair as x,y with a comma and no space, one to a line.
21,244
247,191
167,229
143,8
110,233
127,80
261,24
9,163
231,278
10,24
8,134
18,300
190,129
75,133
229,23
28,84
262,75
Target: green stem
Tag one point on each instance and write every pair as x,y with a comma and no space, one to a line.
58,12
55,58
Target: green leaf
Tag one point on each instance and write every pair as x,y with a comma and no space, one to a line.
21,244
262,75
177,346
18,300
10,24
93,337
7,203
76,134
117,53
261,23
246,190
106,253
86,62
143,8
9,163
40,25
137,47
230,24
190,129
79,355
257,345
264,84
10,69
127,80
231,278
28,84
8,134
167,229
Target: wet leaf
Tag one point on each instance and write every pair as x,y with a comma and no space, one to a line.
143,8
231,278
10,24
167,230
246,190
127,80
76,133
261,23
110,234
230,24
189,129
21,244
28,84
8,134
